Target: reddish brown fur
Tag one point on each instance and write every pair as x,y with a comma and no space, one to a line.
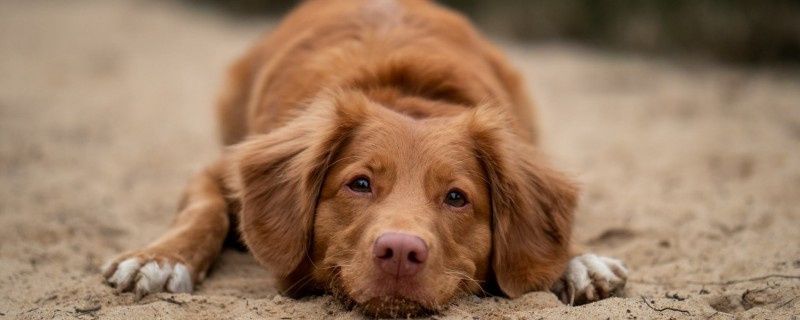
404,92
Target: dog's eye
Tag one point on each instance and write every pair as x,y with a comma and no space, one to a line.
455,198
360,184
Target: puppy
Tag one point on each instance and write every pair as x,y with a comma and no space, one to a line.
385,152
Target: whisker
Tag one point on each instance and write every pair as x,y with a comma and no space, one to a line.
300,282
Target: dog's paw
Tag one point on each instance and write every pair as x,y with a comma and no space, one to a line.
147,273
590,278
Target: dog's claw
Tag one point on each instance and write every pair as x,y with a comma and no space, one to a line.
144,276
590,278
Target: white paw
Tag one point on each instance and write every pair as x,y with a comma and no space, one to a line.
590,278
143,276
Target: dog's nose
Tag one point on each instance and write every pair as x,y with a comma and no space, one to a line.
400,254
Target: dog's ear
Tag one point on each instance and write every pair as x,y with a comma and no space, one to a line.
532,206
278,177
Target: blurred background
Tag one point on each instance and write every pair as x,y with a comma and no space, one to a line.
732,31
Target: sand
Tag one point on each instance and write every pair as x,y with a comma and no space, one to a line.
690,171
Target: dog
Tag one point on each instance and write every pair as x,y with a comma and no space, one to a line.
384,152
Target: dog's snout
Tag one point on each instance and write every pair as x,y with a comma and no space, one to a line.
400,254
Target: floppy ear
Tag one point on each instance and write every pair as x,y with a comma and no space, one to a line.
532,207
279,176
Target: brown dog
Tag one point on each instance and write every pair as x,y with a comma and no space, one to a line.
385,152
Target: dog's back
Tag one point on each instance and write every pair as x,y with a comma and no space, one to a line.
410,55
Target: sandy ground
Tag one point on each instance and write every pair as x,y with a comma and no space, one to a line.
691,172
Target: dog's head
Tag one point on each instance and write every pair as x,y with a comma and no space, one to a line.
399,215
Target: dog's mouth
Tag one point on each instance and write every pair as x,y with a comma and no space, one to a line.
384,305
394,307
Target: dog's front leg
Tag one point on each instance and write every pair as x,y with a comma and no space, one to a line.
589,278
180,258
